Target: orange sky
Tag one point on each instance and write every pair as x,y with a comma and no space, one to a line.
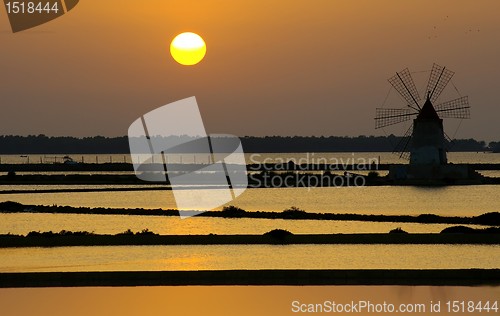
272,67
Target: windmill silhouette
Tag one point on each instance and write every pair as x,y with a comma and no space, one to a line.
425,142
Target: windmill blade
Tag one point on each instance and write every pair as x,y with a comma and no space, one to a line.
449,142
403,83
385,116
402,147
458,108
438,80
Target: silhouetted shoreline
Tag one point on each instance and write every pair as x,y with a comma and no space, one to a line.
254,167
276,175
490,236
487,219
455,277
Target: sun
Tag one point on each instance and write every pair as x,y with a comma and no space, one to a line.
188,48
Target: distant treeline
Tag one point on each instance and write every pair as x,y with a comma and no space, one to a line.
42,144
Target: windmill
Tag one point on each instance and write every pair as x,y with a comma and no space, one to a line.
425,142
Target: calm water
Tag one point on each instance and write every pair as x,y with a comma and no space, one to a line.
448,201
471,200
23,223
217,257
453,200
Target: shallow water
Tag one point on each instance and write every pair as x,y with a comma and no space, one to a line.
345,157
23,223
388,200
218,257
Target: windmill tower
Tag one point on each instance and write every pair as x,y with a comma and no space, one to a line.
425,143
428,143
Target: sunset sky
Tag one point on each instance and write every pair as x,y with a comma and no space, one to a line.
288,67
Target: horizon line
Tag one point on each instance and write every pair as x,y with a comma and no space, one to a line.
245,136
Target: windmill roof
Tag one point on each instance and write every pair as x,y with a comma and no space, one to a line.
428,112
